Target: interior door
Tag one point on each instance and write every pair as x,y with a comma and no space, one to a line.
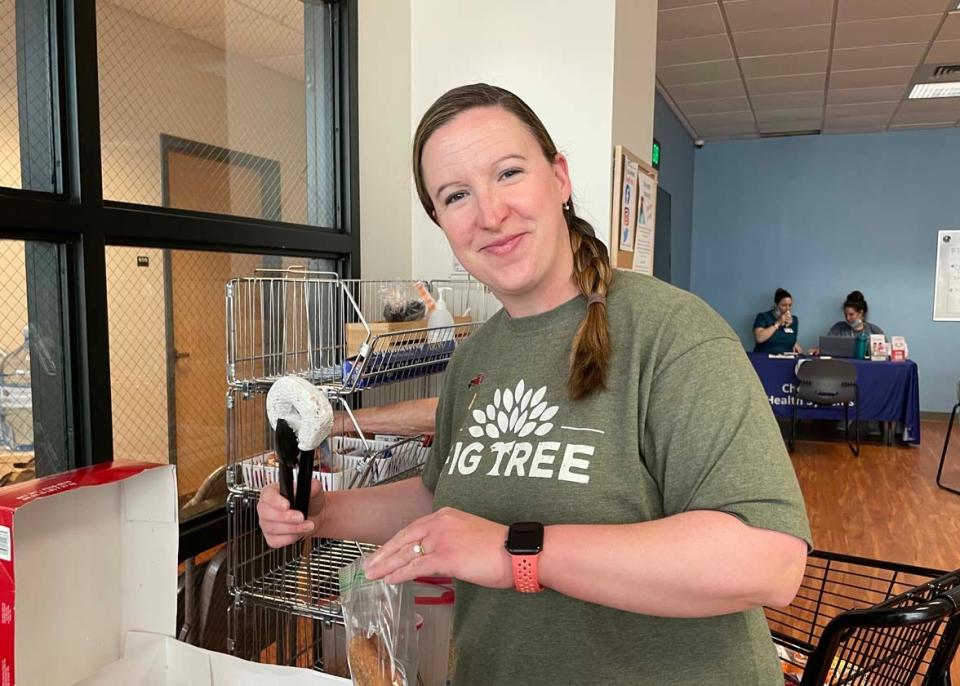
196,311
661,239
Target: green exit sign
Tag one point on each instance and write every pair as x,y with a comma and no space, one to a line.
655,157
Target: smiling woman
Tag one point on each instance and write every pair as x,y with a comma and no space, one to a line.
642,505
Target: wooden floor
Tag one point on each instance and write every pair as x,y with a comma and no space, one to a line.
885,504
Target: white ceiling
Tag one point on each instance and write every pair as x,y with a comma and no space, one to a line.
746,68
269,32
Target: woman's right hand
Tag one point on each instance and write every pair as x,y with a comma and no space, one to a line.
281,524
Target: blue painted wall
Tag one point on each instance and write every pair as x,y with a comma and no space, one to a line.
823,215
676,178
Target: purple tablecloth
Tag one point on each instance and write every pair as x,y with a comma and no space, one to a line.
889,392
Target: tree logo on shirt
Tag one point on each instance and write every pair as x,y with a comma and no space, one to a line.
513,436
519,412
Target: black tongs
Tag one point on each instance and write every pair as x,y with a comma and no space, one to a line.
290,458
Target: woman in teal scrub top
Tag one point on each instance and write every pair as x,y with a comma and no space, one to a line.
775,331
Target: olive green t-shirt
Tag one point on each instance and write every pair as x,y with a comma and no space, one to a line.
683,425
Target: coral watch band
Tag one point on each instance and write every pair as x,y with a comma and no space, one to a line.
526,577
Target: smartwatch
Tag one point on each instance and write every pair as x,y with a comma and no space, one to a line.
524,543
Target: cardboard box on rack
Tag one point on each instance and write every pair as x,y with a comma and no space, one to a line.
357,334
88,586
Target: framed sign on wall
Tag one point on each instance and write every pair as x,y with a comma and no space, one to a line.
633,221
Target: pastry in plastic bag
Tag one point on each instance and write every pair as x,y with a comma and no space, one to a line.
380,623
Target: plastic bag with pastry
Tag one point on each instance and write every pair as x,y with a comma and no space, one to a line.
380,621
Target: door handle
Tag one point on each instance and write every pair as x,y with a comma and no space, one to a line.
178,355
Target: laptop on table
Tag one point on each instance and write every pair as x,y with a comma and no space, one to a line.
838,346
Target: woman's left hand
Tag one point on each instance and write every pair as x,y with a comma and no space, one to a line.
452,543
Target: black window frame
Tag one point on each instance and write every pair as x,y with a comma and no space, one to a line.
78,218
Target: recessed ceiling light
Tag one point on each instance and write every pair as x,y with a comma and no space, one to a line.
949,89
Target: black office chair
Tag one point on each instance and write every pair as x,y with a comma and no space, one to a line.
827,382
946,444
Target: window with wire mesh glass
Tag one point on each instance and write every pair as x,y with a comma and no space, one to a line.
32,409
168,379
245,91
27,136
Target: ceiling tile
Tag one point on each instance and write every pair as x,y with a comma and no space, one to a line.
687,22
951,27
944,51
880,109
864,120
689,50
754,15
727,131
783,101
707,91
851,10
841,96
784,65
714,106
875,126
782,41
724,119
775,116
931,118
908,54
811,124
863,78
940,106
858,34
786,84
867,121
673,4
936,125
704,72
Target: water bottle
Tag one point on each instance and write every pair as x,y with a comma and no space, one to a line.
16,398
862,347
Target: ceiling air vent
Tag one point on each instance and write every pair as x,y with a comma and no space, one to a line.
946,71
936,81
785,134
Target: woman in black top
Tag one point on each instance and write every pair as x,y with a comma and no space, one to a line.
855,318
775,331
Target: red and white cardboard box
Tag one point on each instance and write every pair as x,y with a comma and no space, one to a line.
88,586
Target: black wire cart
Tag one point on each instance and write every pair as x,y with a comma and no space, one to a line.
861,622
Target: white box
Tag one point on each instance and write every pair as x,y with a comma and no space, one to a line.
88,585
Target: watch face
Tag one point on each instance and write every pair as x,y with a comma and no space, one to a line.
525,538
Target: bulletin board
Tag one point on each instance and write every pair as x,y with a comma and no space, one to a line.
946,292
634,214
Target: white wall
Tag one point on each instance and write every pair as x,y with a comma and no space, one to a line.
635,55
557,55
383,53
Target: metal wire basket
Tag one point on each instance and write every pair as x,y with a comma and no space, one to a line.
861,622
251,445
261,633
302,578
330,331
282,322
402,356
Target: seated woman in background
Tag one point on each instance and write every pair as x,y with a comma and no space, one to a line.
775,331
855,318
